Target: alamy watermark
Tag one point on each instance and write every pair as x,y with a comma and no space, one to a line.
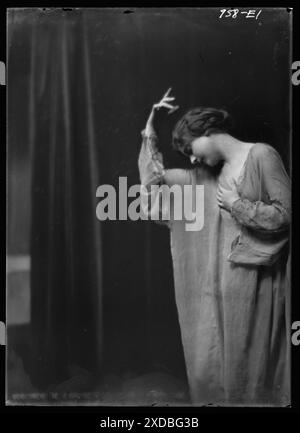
155,202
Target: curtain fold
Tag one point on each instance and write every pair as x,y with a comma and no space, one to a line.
66,272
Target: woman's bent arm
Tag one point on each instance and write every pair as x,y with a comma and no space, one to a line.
152,172
275,215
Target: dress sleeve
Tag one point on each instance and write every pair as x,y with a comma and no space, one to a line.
274,213
150,162
152,172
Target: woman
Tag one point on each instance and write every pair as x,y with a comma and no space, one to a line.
231,277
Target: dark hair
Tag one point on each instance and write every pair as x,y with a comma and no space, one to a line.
197,122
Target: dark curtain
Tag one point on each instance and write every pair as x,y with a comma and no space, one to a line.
66,239
65,247
81,85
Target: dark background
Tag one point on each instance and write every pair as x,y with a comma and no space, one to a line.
81,84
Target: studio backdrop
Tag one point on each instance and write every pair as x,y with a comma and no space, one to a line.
81,84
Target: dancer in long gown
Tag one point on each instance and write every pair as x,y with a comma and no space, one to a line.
231,277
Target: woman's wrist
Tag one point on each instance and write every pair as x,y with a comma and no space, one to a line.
149,130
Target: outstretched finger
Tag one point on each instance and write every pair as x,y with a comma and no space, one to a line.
168,91
161,104
165,104
173,109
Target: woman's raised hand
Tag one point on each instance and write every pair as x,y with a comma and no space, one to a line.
164,103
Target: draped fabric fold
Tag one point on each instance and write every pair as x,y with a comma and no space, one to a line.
65,234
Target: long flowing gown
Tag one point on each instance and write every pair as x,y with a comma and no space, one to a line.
231,278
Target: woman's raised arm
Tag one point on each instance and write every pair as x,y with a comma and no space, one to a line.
151,167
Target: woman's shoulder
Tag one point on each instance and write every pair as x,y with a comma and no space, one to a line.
265,158
261,150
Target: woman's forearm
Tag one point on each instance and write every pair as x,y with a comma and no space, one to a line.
261,216
150,162
152,172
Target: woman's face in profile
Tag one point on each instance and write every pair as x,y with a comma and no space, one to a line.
203,151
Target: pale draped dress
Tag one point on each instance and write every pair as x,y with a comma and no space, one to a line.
232,279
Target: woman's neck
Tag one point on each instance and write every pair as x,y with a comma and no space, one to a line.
231,150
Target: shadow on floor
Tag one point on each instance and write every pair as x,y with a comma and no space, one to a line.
82,388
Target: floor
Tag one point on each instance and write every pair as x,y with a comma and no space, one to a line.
150,389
